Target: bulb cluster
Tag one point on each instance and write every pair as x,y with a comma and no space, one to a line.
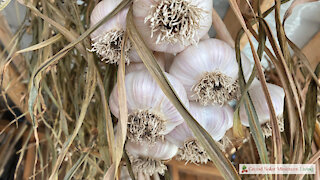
203,72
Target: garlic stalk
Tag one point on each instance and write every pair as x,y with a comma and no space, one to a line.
208,71
171,25
108,38
151,114
148,158
213,118
261,106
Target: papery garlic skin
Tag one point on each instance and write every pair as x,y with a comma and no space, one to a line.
108,38
213,118
260,103
151,114
147,158
208,72
171,25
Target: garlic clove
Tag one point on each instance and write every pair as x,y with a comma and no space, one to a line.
171,25
260,103
229,112
208,72
148,158
180,134
147,104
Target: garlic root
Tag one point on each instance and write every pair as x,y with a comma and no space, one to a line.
145,125
147,166
108,46
215,88
175,20
192,152
267,129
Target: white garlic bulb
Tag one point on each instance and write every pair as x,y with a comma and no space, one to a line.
171,25
208,71
260,104
147,158
108,38
151,114
213,118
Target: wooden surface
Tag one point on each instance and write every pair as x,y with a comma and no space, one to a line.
312,50
233,24
181,171
12,74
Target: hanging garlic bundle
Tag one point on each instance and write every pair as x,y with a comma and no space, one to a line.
171,25
261,106
151,114
213,118
108,38
208,72
148,158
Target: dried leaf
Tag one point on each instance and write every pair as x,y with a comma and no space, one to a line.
123,110
277,153
76,166
128,164
110,175
310,112
42,44
4,3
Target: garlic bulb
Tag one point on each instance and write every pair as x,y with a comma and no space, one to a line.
208,72
147,158
151,114
261,106
213,118
108,38
171,25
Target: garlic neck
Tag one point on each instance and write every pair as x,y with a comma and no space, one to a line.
192,152
108,46
215,88
145,125
147,165
175,21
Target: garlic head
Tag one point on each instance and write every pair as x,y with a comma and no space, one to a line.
151,114
213,118
260,104
147,158
208,72
108,38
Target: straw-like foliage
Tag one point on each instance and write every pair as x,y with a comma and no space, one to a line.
68,124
